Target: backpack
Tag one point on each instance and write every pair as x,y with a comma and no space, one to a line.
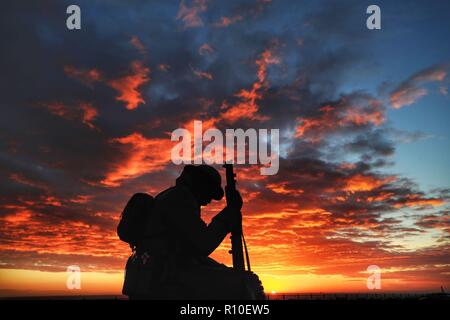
132,223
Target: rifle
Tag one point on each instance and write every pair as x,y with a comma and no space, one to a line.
237,237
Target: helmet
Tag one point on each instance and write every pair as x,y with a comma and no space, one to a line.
205,177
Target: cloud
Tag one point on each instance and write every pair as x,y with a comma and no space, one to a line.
440,221
365,183
84,112
406,96
205,49
136,42
87,77
141,156
348,113
226,21
247,106
128,85
202,74
90,113
435,73
242,11
190,15
411,90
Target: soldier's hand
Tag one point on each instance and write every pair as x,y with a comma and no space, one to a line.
234,199
233,217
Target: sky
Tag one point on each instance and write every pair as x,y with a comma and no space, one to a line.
363,117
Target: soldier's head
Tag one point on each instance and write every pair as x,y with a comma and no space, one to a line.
204,182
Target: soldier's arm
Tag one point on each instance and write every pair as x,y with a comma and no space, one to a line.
204,239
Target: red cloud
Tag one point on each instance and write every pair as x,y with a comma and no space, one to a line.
141,156
128,85
348,112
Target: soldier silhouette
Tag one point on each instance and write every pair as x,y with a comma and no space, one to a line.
171,258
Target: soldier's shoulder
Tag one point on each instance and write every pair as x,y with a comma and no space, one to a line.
176,194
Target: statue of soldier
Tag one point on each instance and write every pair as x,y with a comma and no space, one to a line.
172,260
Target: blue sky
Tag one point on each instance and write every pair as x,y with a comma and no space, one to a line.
414,36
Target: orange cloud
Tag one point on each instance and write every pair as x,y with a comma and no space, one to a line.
247,107
18,217
52,201
281,189
353,116
361,182
128,85
417,200
141,156
31,236
334,117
